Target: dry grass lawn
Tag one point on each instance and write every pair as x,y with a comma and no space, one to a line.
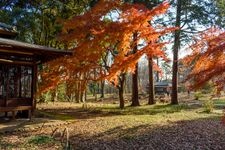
103,126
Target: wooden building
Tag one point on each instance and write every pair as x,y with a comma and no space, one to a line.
163,88
18,71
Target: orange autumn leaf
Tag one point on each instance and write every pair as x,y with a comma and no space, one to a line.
90,37
207,59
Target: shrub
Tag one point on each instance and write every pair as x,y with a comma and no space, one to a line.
41,139
208,105
198,95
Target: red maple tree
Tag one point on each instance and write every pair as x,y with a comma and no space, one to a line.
93,34
207,59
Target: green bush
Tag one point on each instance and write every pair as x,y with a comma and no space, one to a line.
208,105
198,95
41,139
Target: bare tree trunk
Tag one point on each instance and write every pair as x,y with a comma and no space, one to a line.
54,95
71,91
151,99
102,89
127,84
95,94
174,99
135,101
121,90
157,73
85,95
77,92
81,96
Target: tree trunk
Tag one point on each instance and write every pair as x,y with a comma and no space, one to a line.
81,96
174,97
157,73
121,90
96,94
135,101
54,95
102,89
151,99
85,95
128,84
77,92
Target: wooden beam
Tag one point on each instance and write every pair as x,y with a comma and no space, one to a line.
6,109
14,51
8,61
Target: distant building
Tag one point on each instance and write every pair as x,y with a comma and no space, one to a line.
163,88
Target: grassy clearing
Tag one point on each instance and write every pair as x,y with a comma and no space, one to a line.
159,113
220,102
62,117
100,124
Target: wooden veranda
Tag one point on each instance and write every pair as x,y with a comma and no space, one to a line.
18,72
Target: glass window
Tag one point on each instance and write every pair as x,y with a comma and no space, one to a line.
26,81
13,82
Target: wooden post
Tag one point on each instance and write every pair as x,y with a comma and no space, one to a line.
13,115
34,87
29,114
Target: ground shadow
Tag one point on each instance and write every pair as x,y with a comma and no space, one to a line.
207,133
106,111
26,125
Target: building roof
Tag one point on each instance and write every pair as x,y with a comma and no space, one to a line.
40,53
7,31
163,84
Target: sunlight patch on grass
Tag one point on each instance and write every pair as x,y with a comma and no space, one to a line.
156,114
63,117
142,110
219,102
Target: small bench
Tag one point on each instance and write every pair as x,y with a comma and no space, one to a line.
17,108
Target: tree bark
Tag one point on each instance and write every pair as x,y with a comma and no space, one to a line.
85,95
77,92
135,101
95,94
102,89
121,90
151,99
81,96
174,97
157,73
54,95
